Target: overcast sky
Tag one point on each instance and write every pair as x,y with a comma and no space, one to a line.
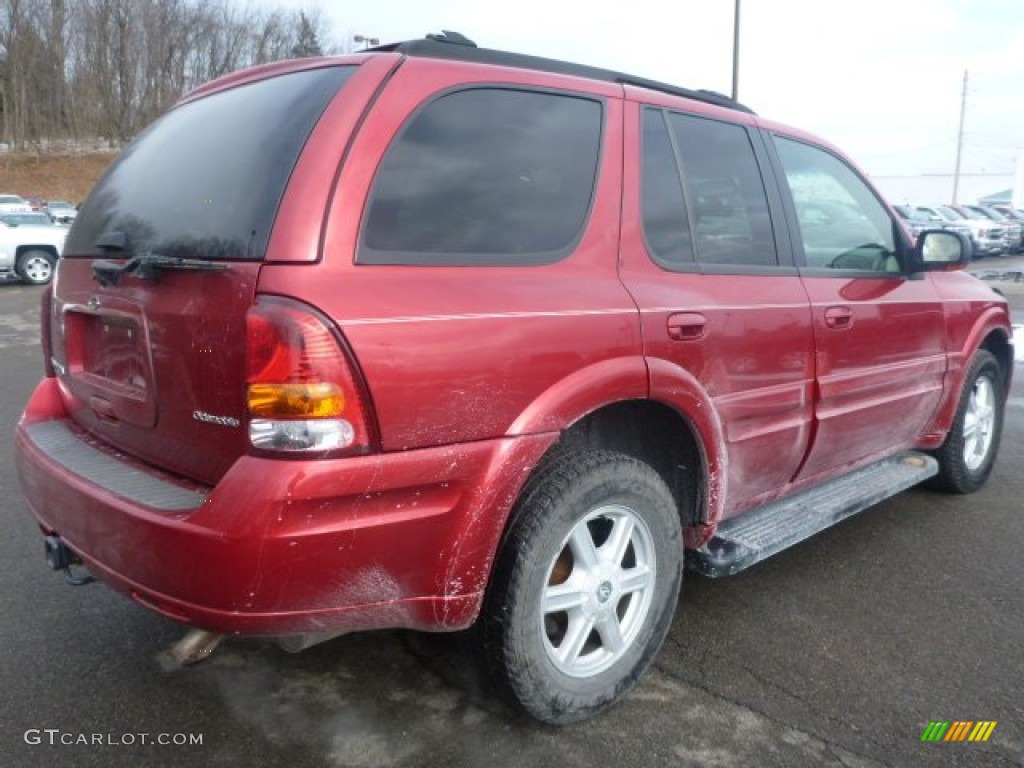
880,78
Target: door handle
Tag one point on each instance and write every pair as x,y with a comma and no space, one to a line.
839,318
686,326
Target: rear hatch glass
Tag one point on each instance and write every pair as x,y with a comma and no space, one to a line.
205,180
153,362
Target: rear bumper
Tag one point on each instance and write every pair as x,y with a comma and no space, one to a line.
281,547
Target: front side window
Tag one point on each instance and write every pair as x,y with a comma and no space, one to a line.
842,224
486,176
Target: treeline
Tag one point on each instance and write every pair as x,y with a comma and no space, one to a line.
81,70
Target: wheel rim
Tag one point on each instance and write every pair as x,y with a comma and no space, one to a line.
979,423
38,269
598,591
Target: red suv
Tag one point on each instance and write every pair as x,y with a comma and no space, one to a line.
435,337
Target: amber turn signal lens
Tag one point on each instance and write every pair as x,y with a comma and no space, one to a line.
314,400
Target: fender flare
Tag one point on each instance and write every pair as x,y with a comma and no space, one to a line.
582,392
637,378
679,389
958,363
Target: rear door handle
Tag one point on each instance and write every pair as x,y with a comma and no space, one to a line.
839,318
686,326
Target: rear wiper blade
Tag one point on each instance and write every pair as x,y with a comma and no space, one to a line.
112,240
146,266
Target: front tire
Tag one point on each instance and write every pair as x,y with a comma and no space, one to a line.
35,267
969,453
584,588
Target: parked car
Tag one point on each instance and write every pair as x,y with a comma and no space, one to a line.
1011,228
987,238
475,339
1008,210
35,202
918,221
61,211
14,204
29,252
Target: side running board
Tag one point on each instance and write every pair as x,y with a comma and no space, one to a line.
742,541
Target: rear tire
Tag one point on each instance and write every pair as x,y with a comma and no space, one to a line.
35,267
969,453
584,587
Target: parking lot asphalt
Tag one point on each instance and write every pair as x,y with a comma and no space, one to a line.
838,652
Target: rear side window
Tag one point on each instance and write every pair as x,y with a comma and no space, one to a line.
702,195
486,176
728,203
666,225
206,179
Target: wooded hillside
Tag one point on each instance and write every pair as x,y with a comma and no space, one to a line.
88,70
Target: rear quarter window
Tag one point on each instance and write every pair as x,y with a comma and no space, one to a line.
486,176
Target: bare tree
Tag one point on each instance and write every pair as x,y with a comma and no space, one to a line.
307,42
103,69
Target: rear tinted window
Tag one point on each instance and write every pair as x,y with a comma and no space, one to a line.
728,202
664,209
205,180
486,176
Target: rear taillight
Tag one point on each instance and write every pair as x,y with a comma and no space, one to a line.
45,317
304,392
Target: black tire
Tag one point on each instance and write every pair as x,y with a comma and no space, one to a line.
36,267
969,453
627,594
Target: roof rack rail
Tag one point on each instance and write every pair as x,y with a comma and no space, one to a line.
458,47
455,38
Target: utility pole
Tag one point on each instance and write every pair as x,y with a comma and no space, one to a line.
736,52
959,138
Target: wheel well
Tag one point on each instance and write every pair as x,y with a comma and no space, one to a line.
49,250
652,433
999,345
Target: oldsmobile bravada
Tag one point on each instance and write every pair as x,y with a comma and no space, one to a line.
439,337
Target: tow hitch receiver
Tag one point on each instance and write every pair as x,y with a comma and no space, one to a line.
60,558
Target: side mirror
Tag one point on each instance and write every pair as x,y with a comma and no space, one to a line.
940,250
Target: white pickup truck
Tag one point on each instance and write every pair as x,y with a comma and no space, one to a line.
30,253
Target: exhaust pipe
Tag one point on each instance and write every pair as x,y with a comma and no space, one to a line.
60,557
195,646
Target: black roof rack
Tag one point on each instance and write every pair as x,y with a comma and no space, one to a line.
452,45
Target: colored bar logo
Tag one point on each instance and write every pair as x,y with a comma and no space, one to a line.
958,730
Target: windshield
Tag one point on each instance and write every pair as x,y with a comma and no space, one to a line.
917,214
26,219
205,180
950,214
993,214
